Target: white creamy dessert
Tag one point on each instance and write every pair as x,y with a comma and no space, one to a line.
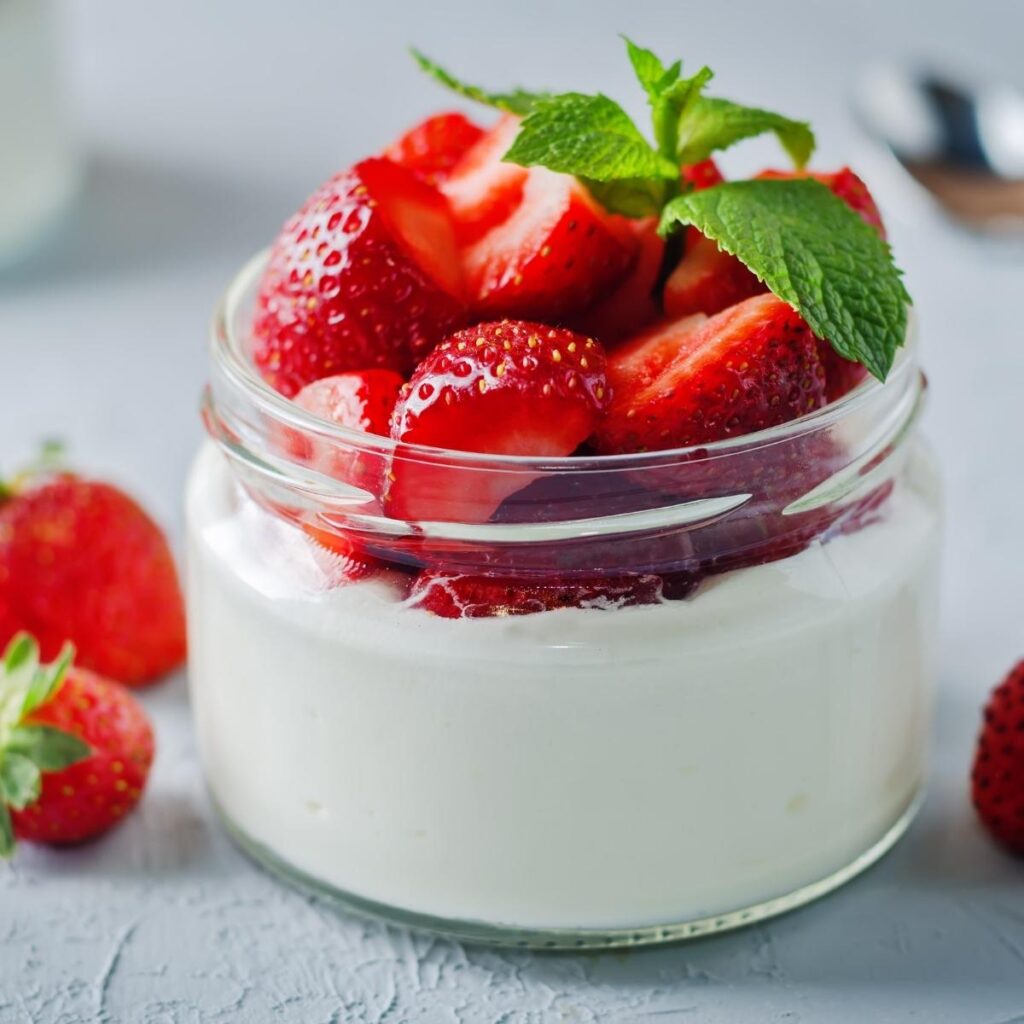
574,769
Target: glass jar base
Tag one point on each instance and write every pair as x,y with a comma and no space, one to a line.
571,938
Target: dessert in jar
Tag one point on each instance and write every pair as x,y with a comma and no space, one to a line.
562,559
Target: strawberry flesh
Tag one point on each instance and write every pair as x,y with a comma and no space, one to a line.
753,366
365,275
500,388
457,596
435,146
997,778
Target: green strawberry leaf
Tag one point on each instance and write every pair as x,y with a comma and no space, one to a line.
6,831
815,253
712,124
50,749
18,672
588,136
48,680
517,101
20,780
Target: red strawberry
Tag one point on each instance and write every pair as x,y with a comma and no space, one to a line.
553,255
702,175
631,305
752,366
78,749
482,189
360,399
997,780
365,275
845,184
841,375
508,388
433,147
456,596
81,561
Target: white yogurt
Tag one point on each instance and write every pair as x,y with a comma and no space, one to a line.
572,769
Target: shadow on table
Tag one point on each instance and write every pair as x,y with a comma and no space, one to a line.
133,216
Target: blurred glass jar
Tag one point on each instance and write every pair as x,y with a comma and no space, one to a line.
38,169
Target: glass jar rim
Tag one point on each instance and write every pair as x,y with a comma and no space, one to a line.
227,350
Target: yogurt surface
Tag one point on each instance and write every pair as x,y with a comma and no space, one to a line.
571,769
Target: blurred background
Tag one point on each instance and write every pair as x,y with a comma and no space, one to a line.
181,136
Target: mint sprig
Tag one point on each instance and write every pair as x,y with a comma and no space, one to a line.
29,749
797,237
814,252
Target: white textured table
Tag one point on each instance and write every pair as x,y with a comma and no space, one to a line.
197,150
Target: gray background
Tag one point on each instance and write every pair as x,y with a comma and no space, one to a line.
203,125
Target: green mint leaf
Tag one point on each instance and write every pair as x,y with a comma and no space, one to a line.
712,124
48,680
588,136
48,748
6,832
815,253
20,781
670,110
652,75
631,197
517,101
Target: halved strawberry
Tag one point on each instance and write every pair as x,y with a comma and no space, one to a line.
752,366
552,256
482,189
506,388
841,375
365,275
702,175
457,596
638,361
433,147
631,305
845,184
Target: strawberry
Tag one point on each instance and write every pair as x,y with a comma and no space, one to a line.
841,375
365,275
483,189
845,184
707,279
997,779
81,561
75,750
506,388
433,147
458,596
752,366
631,305
553,255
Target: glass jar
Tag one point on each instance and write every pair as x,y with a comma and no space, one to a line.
747,735
38,168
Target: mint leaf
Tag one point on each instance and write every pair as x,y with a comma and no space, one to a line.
50,749
652,75
631,197
20,781
713,124
815,253
589,136
518,101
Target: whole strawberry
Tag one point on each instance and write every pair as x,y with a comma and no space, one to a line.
997,781
81,561
75,750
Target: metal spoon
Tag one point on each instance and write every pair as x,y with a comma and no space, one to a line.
964,145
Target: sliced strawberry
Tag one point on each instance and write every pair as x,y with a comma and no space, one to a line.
841,375
433,147
360,399
631,305
508,388
638,361
552,256
456,596
707,280
845,184
751,367
482,189
365,275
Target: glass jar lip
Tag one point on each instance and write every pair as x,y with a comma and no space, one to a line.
227,351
